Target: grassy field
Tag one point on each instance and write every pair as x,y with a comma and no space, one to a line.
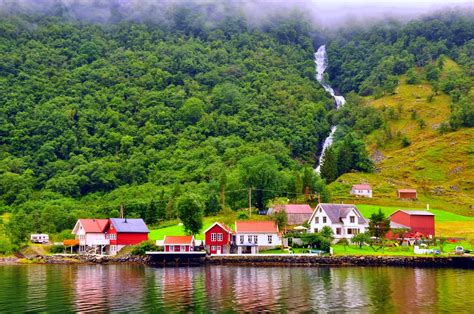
439,166
447,224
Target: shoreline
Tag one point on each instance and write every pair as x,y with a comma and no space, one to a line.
260,260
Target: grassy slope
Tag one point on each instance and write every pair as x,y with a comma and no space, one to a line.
440,167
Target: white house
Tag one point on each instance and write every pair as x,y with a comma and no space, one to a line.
252,236
344,219
91,235
363,190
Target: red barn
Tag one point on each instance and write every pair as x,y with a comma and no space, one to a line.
179,243
407,194
218,238
418,221
125,231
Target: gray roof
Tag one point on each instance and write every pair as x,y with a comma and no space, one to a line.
417,212
129,225
337,211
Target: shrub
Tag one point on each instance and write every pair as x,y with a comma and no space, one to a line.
242,216
143,247
57,249
6,247
405,142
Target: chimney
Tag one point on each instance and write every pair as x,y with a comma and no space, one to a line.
125,221
427,206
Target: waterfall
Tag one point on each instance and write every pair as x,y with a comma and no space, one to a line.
321,61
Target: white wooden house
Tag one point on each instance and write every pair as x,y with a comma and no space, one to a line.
361,190
344,219
91,235
252,236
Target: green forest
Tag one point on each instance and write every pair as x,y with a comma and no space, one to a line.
98,116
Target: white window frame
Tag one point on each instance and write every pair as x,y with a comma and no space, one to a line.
182,248
242,239
352,219
255,239
249,239
316,220
213,237
325,220
213,248
220,237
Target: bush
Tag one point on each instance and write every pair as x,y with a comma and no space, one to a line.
57,249
143,247
6,247
405,142
242,216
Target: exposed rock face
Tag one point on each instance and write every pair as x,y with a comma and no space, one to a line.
377,156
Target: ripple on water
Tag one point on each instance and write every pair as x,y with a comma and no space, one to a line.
122,288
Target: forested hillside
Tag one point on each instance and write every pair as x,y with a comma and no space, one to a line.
93,116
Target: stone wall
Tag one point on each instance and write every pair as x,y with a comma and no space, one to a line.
311,260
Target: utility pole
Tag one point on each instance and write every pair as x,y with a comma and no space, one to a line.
250,201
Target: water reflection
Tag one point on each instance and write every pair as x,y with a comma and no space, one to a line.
121,288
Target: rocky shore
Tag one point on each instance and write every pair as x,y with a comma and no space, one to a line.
311,260
466,262
75,259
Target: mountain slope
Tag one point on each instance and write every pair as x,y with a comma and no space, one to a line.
414,154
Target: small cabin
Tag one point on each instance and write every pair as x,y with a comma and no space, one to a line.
361,190
407,194
39,238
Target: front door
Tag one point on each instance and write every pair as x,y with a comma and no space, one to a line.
218,250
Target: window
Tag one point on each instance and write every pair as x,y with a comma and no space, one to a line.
213,237
270,238
219,237
324,220
241,239
352,219
255,239
112,248
171,248
316,230
317,220
183,248
352,231
213,248
112,236
349,231
338,230
249,239
218,248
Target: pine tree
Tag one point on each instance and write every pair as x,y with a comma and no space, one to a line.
151,216
161,207
329,165
344,159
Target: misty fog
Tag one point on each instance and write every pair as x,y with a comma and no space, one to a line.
325,13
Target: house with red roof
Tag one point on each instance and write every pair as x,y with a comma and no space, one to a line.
344,219
416,222
218,238
179,243
361,190
91,235
125,231
297,214
252,236
407,194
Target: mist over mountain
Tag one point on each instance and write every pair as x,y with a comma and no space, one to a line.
324,13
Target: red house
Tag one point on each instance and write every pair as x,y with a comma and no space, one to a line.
407,194
125,231
179,243
417,221
218,238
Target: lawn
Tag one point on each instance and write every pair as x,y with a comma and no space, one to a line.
177,230
447,224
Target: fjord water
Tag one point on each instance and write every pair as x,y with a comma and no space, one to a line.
131,288
321,61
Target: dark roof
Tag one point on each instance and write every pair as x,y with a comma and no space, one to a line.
337,211
133,225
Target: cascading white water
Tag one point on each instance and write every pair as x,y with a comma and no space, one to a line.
321,60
